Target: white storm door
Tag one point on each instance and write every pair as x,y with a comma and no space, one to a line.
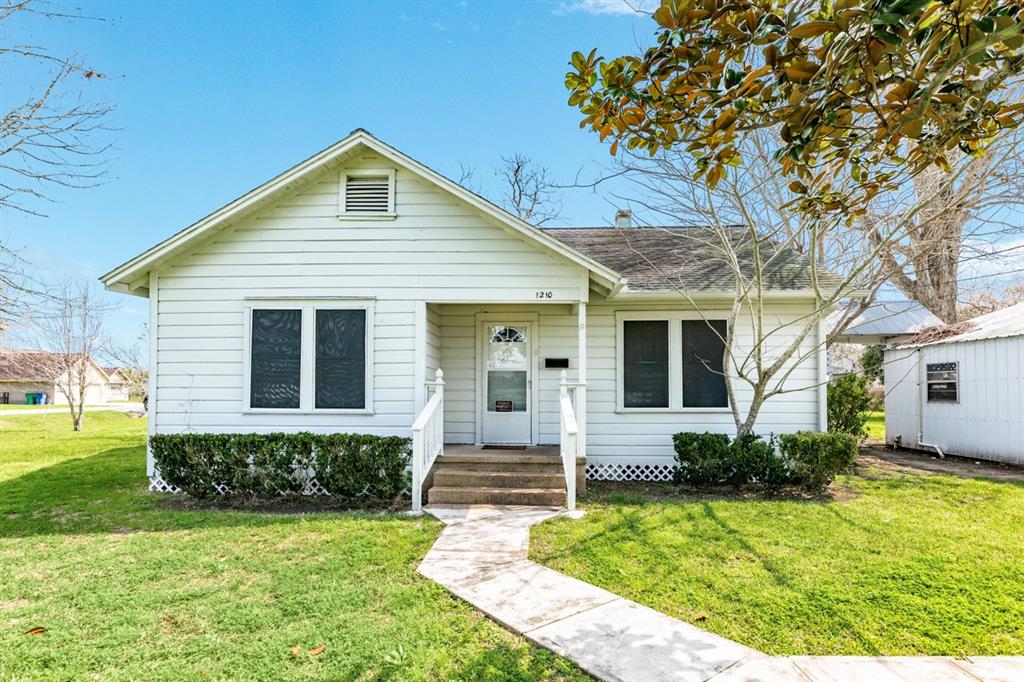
506,412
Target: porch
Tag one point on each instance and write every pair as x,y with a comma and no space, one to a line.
501,405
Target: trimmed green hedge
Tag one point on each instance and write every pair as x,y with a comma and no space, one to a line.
811,460
815,459
346,465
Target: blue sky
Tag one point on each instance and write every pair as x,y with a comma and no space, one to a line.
215,98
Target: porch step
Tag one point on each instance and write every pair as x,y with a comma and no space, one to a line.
506,461
541,497
452,477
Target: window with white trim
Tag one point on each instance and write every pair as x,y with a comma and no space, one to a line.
309,356
367,194
943,382
670,361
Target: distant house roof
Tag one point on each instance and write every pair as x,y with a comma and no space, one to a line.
28,365
996,325
656,259
31,365
884,319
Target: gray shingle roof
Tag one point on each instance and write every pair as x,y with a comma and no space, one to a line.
28,365
688,258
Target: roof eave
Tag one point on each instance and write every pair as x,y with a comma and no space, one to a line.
123,275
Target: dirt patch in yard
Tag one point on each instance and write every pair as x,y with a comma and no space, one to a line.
911,460
654,492
283,505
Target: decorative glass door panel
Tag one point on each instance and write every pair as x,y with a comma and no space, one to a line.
507,384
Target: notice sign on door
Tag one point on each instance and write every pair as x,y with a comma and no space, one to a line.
502,405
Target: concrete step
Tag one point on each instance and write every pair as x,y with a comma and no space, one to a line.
452,477
545,497
550,466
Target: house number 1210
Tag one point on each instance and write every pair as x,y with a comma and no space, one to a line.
543,294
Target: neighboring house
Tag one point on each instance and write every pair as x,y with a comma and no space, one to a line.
117,387
959,389
881,323
34,371
327,299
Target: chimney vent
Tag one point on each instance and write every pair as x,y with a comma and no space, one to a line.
623,218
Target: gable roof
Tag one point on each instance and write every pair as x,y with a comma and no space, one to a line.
996,325
666,259
34,365
132,276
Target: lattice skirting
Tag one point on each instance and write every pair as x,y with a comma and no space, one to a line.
597,471
158,485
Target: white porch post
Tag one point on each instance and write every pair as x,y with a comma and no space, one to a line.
581,391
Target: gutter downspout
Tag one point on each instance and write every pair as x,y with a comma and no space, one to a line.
920,410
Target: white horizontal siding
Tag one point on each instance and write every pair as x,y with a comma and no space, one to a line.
436,249
614,437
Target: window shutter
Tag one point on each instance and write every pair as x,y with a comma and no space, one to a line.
368,194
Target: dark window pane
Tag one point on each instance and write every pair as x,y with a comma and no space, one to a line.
275,361
341,359
703,383
645,363
942,392
942,378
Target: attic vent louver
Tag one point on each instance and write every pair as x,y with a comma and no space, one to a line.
367,194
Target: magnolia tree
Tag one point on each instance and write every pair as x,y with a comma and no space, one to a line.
779,125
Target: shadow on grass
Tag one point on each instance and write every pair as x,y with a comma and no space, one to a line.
107,493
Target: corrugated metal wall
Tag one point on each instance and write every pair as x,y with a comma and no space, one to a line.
988,420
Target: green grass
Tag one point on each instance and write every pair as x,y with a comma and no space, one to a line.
22,406
907,564
876,426
129,587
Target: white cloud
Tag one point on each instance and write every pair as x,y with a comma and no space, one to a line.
625,7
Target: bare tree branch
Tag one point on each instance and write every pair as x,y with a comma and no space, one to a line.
528,192
51,137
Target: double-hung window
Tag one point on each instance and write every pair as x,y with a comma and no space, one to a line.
670,361
309,355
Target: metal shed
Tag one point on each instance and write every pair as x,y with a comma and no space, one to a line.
959,389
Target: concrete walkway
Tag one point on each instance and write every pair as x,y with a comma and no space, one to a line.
481,557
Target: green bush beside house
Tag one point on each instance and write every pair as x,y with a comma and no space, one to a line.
345,465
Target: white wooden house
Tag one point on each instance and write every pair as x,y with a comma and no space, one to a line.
959,389
332,297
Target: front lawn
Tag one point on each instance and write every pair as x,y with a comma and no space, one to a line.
903,564
120,585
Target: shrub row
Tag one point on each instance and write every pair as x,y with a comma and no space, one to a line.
811,460
345,465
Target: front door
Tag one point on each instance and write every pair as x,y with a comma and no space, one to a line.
506,412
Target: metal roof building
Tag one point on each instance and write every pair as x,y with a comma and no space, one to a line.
959,389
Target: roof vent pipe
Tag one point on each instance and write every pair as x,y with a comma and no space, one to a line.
623,218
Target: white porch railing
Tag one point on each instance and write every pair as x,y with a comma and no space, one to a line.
569,441
427,438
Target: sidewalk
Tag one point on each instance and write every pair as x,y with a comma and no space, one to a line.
481,557
63,409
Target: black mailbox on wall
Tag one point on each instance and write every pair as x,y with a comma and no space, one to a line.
556,363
